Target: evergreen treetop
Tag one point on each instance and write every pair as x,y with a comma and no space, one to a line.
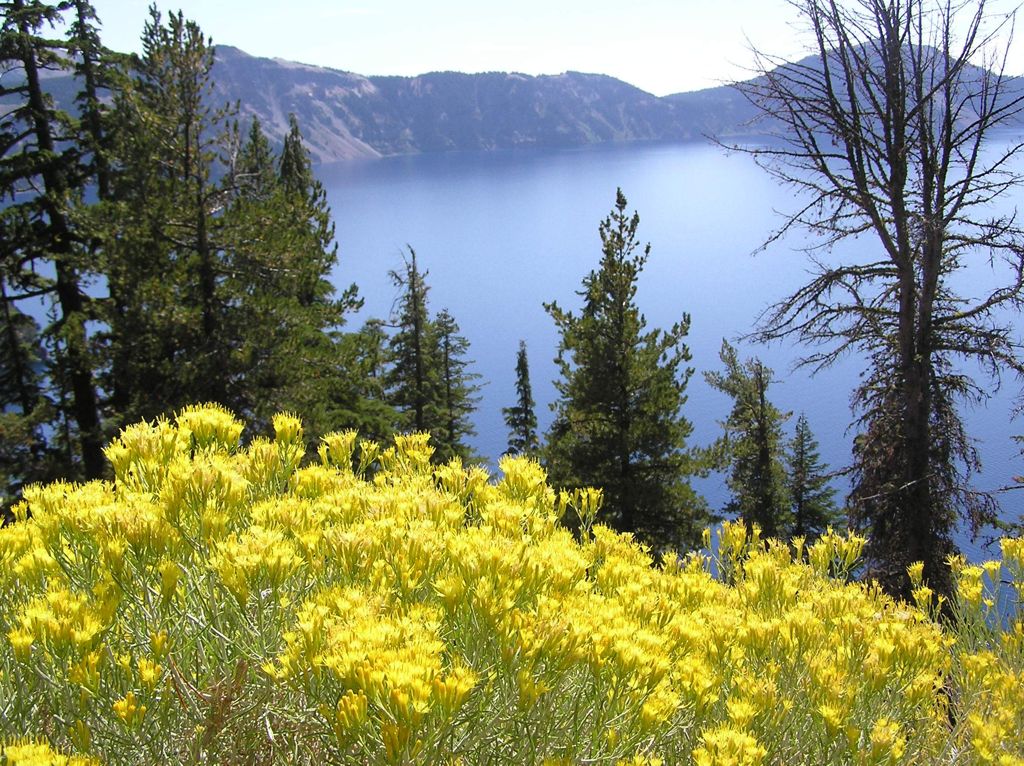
458,390
427,381
521,418
753,444
412,379
618,422
812,499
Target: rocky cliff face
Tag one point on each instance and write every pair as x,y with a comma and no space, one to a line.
346,115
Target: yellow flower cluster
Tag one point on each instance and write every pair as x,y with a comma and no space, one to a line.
227,603
34,753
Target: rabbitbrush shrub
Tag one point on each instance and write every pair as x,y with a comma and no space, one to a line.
221,604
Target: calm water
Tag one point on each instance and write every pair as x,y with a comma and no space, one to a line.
501,233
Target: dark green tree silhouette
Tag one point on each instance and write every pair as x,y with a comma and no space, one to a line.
812,499
356,390
254,173
753,444
458,391
427,380
100,73
521,418
618,422
284,318
41,176
168,325
413,383
222,270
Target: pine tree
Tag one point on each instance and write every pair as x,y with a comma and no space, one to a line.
457,389
285,319
101,75
295,169
100,72
254,175
25,411
316,249
521,418
222,272
427,381
41,171
356,393
168,344
753,444
811,497
617,419
412,381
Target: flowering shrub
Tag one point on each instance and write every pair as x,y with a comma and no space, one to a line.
222,604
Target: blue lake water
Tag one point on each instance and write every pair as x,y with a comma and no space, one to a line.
501,233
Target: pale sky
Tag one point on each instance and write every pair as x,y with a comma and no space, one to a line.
662,46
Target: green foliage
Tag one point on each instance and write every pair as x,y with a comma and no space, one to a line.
812,499
355,387
521,418
100,72
753,444
427,380
41,173
286,318
220,286
617,420
215,254
253,174
168,341
412,380
296,172
457,391
25,411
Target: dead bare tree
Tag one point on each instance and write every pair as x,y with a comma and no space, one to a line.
883,133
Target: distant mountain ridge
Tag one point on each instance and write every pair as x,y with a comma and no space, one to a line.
345,115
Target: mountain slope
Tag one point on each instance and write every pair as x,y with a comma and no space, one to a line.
345,115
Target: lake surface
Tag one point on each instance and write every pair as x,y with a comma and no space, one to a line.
501,233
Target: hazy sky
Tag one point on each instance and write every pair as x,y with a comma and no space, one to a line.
662,46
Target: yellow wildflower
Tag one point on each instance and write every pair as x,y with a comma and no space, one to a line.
129,710
39,753
725,746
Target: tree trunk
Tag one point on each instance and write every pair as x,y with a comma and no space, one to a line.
765,501
417,346
69,295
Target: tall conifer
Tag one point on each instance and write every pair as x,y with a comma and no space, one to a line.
168,345
753,444
521,418
412,381
100,73
427,381
618,422
812,498
458,391
254,175
286,316
41,174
